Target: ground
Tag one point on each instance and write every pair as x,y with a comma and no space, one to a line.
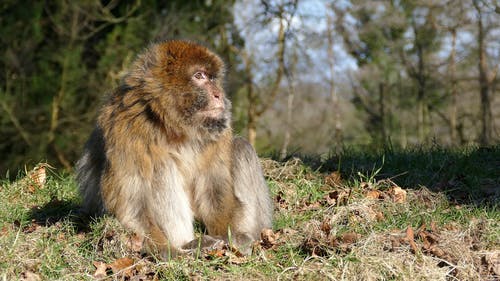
427,214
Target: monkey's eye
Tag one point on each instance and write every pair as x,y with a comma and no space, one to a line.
200,75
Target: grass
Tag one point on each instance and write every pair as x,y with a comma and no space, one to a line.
421,214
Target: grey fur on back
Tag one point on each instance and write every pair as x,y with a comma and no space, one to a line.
89,171
250,187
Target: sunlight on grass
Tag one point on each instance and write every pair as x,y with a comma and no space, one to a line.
353,219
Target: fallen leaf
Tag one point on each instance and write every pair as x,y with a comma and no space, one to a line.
280,199
308,206
5,229
31,227
395,243
30,276
373,194
334,179
433,226
39,175
101,268
121,264
314,247
268,237
493,262
438,252
410,236
350,237
331,198
398,194
236,259
216,253
338,197
428,238
326,227
135,242
366,185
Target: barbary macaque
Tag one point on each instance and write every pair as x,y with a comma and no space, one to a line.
163,155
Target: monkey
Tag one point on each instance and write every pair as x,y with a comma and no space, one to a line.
163,155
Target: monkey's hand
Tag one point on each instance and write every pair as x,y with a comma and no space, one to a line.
204,243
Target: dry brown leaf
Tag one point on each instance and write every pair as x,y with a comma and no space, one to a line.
373,194
410,236
30,276
121,264
31,227
135,242
438,252
39,176
326,227
6,229
338,197
493,262
268,237
431,238
217,253
334,179
398,194
101,268
350,237
331,198
281,200
366,185
395,243
314,247
308,206
433,226
235,258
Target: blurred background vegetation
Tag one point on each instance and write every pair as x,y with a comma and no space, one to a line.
306,76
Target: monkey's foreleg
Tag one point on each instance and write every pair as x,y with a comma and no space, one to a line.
170,214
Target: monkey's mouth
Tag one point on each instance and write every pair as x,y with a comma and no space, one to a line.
215,125
215,112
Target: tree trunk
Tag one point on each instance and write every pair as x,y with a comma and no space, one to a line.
381,103
421,82
252,104
453,81
251,131
289,116
255,113
486,115
333,94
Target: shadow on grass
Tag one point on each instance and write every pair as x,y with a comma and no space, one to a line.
60,210
468,175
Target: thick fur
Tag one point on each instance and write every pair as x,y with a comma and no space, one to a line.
157,163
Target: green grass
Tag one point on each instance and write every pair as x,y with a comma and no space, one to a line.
323,229
467,175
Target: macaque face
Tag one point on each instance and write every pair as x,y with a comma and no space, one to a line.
206,103
208,85
195,84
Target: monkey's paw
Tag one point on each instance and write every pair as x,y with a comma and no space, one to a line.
205,243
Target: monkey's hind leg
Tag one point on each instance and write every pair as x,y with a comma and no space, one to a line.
256,210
